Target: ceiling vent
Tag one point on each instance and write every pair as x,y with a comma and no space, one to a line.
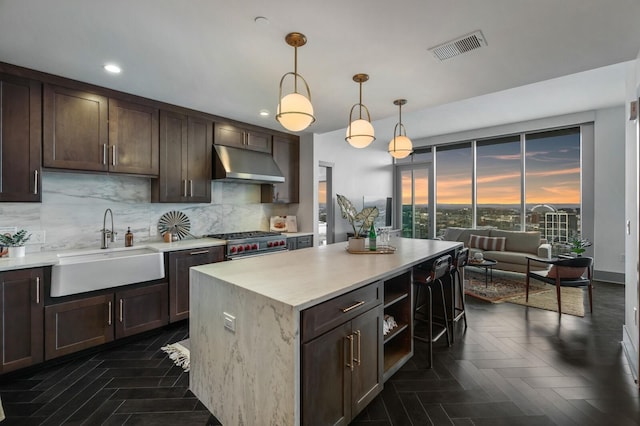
461,45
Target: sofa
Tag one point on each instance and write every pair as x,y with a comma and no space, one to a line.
509,248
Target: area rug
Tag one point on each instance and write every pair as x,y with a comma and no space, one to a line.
572,300
179,353
504,285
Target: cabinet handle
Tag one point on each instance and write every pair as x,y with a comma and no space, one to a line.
350,360
191,186
109,322
35,182
121,303
37,290
352,307
193,253
357,359
185,187
104,153
114,155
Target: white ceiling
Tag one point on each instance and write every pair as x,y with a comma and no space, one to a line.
210,55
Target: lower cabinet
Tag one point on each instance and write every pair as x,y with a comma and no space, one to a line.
179,263
295,243
21,313
83,323
342,367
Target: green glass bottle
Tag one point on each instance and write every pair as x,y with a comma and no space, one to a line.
372,238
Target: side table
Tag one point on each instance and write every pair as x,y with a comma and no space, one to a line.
488,265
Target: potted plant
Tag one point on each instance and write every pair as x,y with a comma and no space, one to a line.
360,221
579,245
15,242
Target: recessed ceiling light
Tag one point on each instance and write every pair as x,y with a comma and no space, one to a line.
112,68
261,20
264,112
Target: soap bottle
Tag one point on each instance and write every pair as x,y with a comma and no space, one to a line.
128,238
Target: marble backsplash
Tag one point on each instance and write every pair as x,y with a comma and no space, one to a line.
73,205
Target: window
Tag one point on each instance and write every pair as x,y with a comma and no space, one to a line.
553,197
498,189
453,186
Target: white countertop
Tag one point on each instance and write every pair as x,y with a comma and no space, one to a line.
50,258
303,278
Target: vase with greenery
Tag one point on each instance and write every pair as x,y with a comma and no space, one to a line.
579,245
15,242
360,221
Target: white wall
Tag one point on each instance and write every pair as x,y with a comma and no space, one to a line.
630,329
357,173
608,192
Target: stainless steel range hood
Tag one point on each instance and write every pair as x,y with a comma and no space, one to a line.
242,165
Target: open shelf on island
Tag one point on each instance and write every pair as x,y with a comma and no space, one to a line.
398,344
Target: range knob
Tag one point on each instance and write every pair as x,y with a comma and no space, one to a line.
233,249
240,249
269,243
254,246
282,242
247,247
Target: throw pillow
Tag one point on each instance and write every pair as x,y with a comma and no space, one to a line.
487,243
569,272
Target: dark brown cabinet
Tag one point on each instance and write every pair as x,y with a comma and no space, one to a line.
133,138
341,367
21,319
141,309
240,137
185,159
179,263
286,153
78,324
87,131
295,243
20,138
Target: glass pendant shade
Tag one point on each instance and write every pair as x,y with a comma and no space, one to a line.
295,112
400,147
360,133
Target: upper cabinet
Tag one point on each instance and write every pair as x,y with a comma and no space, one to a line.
286,153
20,138
87,131
240,137
186,143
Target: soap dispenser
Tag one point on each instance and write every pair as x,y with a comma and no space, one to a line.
128,238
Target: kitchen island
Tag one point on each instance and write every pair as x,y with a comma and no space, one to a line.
247,324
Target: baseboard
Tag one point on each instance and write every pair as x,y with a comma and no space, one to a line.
609,277
631,352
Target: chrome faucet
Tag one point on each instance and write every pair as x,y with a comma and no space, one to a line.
107,234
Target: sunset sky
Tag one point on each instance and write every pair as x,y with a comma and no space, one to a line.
552,173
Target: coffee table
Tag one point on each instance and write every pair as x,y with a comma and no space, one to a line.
488,265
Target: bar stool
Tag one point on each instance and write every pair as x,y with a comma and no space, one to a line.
458,312
428,280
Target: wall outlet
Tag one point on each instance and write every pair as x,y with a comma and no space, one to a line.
622,257
152,231
229,322
37,237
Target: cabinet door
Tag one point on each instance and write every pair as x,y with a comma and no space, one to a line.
75,129
258,141
179,264
199,151
21,318
326,378
305,241
133,138
20,139
171,184
366,380
80,324
286,153
292,243
229,135
141,309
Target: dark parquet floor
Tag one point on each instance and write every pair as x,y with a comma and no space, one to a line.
512,366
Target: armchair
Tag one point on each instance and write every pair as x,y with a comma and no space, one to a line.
568,272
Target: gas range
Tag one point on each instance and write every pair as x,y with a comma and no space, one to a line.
252,243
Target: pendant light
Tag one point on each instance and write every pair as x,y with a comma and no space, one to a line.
295,112
400,146
360,132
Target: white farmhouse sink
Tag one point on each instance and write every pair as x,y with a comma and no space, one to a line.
98,269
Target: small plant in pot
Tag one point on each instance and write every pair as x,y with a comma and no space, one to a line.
15,242
579,245
360,221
